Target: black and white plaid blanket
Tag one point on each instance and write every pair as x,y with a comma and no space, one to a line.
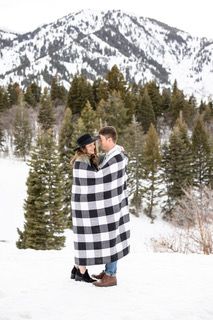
100,212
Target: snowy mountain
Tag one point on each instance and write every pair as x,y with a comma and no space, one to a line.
91,42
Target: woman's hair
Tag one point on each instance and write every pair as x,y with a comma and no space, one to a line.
79,152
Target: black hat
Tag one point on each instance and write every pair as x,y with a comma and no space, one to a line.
84,140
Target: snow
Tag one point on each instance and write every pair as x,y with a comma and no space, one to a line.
151,286
187,60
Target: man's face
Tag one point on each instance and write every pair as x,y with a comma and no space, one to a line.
105,142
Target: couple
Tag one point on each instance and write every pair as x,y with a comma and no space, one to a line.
99,208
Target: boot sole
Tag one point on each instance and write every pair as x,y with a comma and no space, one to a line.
104,286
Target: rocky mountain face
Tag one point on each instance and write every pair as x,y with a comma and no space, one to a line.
91,42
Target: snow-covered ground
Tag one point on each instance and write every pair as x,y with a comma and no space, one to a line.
151,286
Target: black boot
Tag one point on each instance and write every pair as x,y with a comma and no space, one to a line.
73,272
83,276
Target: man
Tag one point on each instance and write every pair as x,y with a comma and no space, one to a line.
114,164
100,205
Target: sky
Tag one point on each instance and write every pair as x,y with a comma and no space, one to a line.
192,16
36,284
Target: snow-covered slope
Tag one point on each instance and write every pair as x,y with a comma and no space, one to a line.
151,286
93,41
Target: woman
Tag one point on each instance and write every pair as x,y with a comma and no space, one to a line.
84,152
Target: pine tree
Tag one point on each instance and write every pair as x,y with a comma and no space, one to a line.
100,90
151,164
33,94
177,165
156,99
80,91
13,91
29,97
113,112
132,141
208,116
36,91
202,107
44,219
178,103
66,152
189,111
3,100
1,135
89,118
22,132
1,111
54,88
166,101
210,182
101,113
202,155
130,103
79,129
210,105
145,113
116,81
46,116
88,122
57,91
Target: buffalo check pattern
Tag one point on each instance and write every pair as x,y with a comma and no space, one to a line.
100,212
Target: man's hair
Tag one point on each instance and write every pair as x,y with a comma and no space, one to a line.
109,132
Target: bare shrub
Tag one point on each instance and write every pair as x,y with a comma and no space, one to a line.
195,212
175,243
193,218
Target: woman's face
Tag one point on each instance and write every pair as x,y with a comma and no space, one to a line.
90,148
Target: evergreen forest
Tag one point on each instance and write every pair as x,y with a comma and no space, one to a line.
168,138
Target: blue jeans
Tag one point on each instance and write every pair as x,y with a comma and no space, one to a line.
111,268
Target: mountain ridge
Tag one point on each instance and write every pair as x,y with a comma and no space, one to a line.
91,42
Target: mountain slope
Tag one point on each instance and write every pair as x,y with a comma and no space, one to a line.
92,42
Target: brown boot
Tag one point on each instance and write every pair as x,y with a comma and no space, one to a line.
98,276
106,281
